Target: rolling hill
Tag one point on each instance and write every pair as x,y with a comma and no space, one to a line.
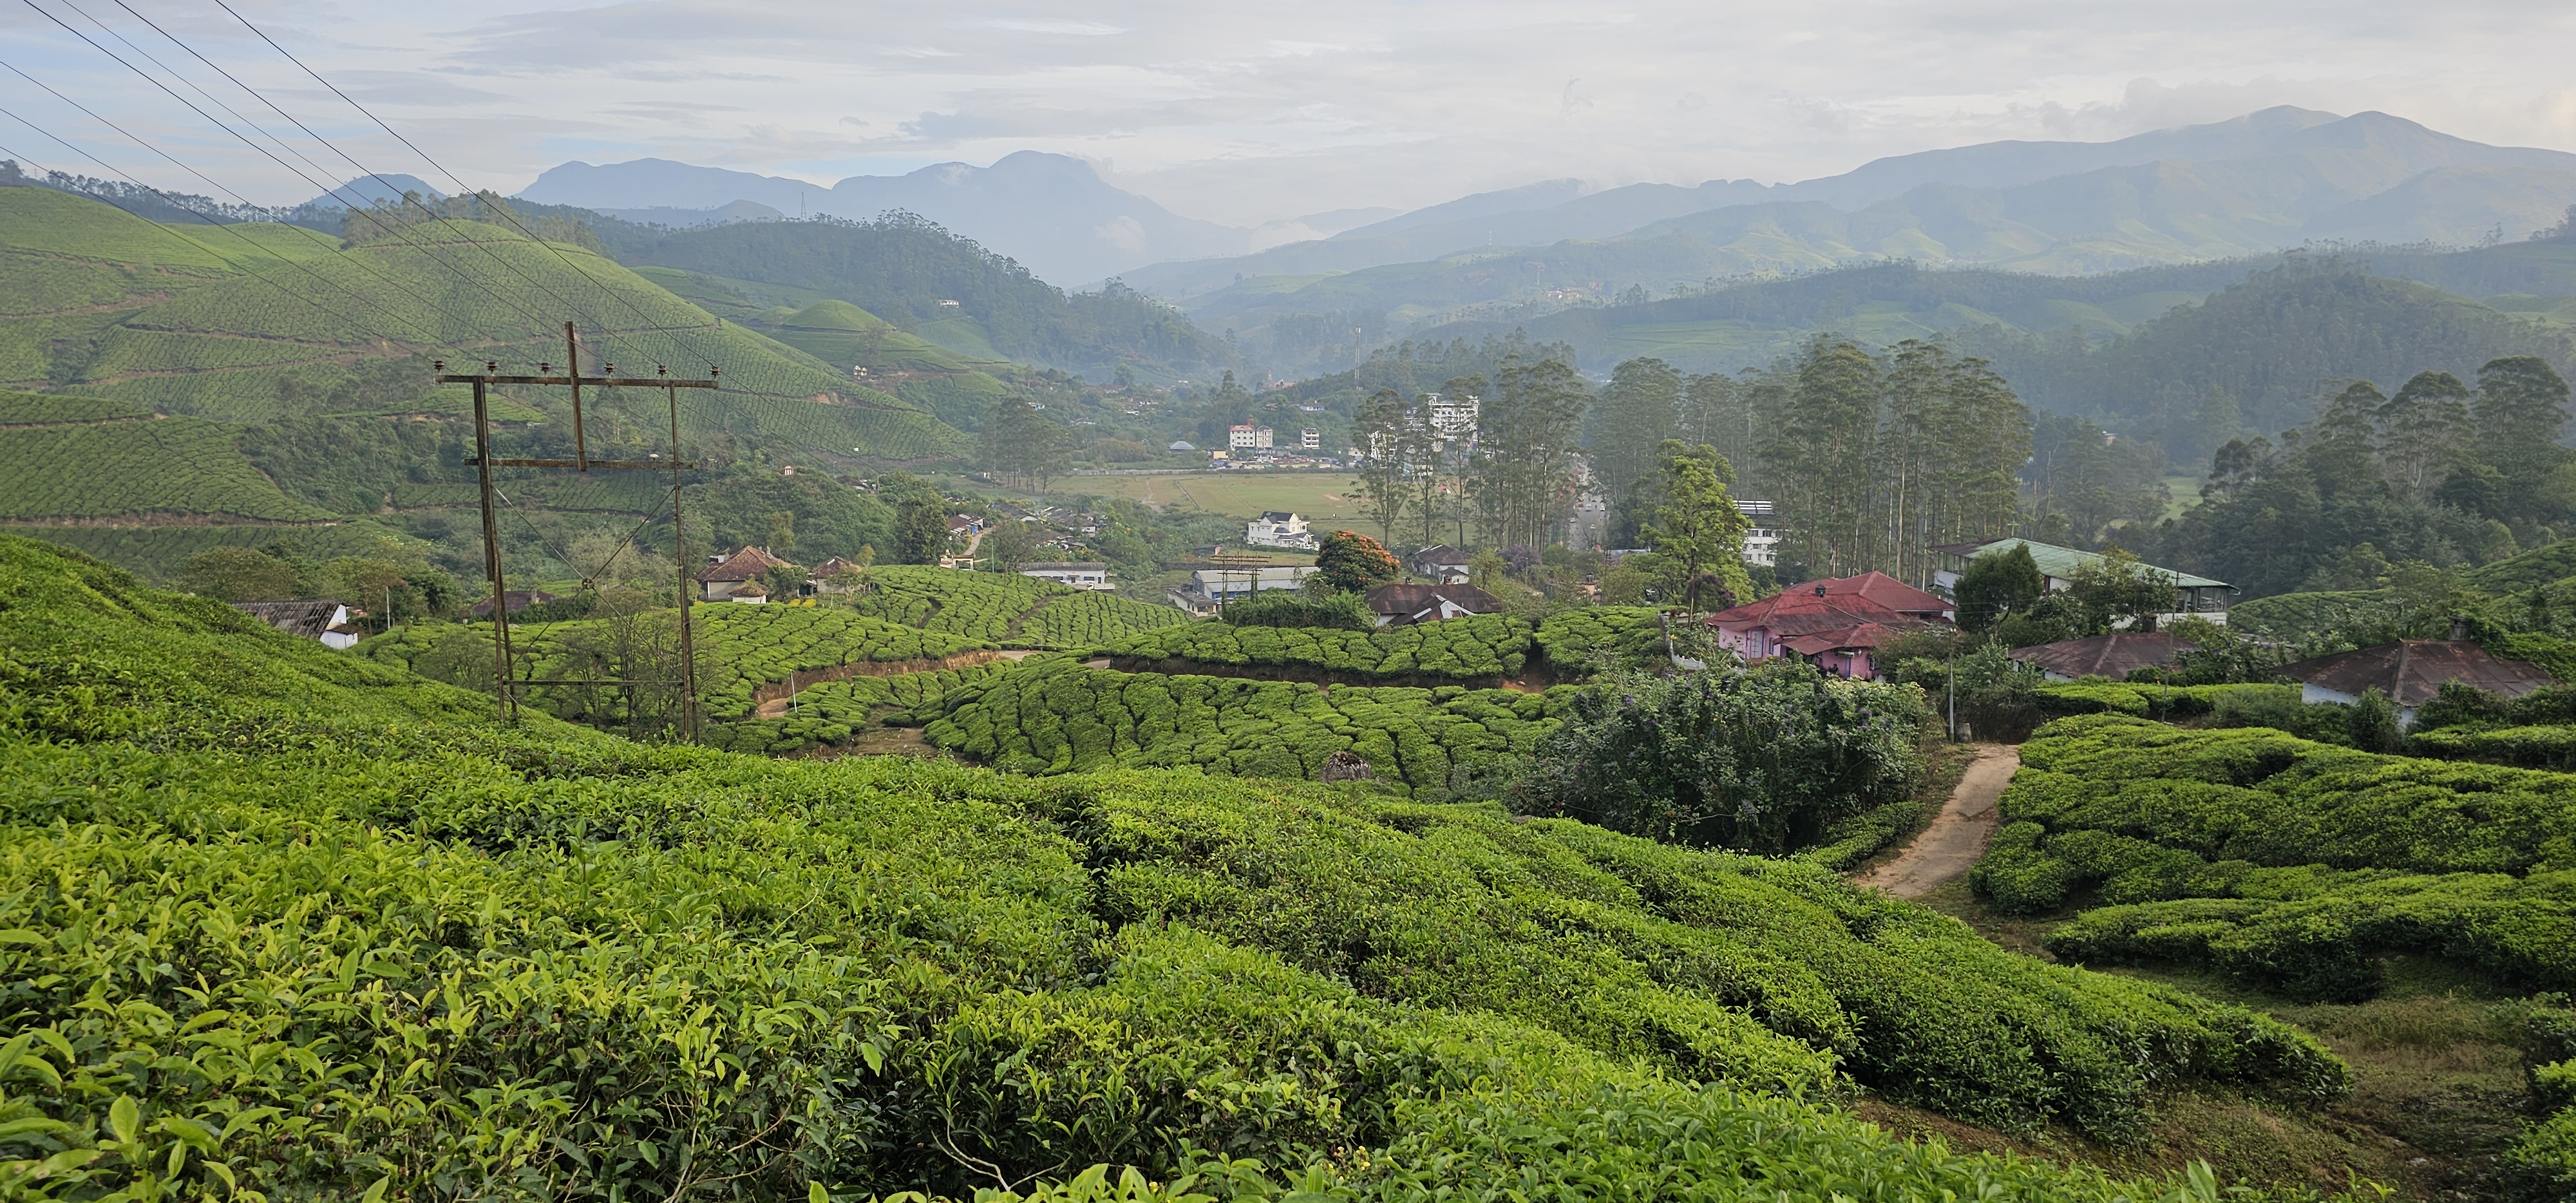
290,376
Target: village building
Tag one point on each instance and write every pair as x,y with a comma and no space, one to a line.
1209,588
1441,563
2410,672
326,622
1248,437
516,599
1762,539
726,575
1838,625
2115,655
835,575
749,593
1404,605
1277,529
2196,596
1311,439
1077,574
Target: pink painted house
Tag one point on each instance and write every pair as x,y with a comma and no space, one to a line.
1837,624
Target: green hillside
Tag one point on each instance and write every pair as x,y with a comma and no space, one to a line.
410,950
292,379
949,291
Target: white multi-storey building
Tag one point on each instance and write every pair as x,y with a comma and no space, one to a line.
1248,437
1275,529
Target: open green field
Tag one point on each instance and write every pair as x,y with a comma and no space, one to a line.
1322,498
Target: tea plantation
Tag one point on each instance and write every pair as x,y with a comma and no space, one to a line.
1056,717
2298,868
1479,648
740,649
285,921
92,458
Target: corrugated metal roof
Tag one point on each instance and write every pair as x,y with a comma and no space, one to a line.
2411,671
2061,562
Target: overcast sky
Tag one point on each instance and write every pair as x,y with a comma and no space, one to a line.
1243,113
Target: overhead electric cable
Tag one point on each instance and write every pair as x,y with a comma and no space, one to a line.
421,246
684,333
174,202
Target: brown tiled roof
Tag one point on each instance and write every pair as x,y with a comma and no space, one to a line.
743,565
1801,611
2411,671
303,618
2115,655
1884,590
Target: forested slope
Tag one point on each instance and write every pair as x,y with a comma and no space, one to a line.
353,894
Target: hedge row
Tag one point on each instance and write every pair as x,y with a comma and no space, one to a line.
2290,863
2536,747
1092,619
1595,638
2152,701
977,605
739,649
1478,648
296,923
1056,717
833,711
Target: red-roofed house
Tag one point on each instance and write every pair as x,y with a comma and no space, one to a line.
726,575
1835,624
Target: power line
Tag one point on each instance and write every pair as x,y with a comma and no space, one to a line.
422,247
209,219
452,177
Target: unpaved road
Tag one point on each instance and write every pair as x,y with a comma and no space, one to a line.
1957,836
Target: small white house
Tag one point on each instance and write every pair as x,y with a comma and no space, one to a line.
1276,529
1223,584
1082,575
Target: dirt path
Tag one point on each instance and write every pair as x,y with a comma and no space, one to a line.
1957,836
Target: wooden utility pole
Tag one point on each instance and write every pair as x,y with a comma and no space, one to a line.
504,686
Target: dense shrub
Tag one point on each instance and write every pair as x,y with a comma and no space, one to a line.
1764,759
1091,619
977,605
832,712
288,921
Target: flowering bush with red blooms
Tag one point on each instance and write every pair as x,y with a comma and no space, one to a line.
1355,563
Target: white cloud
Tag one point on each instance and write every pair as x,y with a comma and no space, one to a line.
1247,113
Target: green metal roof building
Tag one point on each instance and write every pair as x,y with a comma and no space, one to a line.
2199,594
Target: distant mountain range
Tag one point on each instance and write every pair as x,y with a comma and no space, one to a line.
2277,178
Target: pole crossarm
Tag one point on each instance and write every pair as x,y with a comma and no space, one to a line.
505,688
593,381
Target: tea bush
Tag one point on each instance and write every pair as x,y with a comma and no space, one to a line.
1092,619
739,649
1478,648
977,605
286,921
2290,863
1058,717
833,711
1599,638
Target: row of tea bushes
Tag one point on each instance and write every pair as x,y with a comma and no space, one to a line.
832,712
2293,864
976,605
1484,647
1058,717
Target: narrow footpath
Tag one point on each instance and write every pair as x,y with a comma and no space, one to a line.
1957,836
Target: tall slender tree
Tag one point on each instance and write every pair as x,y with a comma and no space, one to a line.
1639,409
1523,472
2424,432
1385,484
